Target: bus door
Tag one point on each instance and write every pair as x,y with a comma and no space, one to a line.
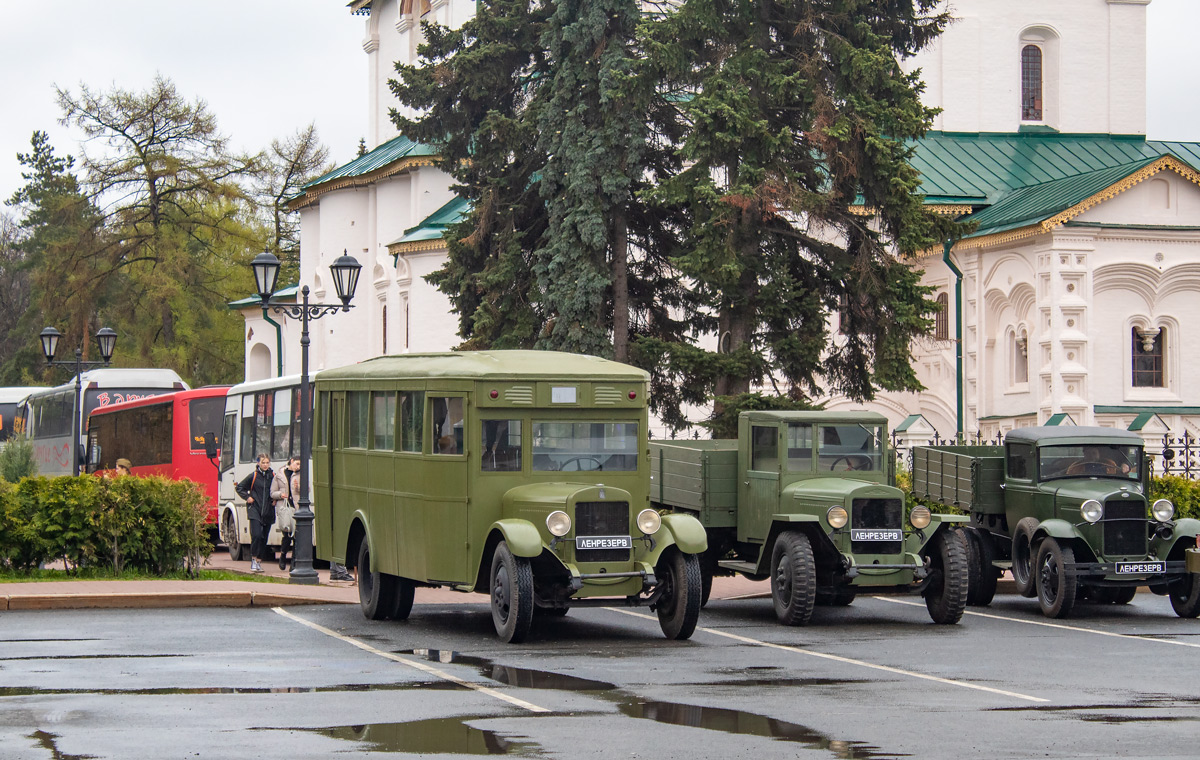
445,487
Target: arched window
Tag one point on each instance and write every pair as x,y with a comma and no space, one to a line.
941,320
1148,357
1031,83
384,320
1019,357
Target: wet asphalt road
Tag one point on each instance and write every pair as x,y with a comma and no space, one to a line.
874,680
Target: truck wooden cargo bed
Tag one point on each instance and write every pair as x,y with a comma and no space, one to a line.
697,476
967,477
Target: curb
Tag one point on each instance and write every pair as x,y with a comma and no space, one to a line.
158,600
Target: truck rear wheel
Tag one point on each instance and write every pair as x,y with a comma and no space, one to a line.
679,606
376,590
512,595
1022,557
793,578
1185,597
1056,585
946,594
981,586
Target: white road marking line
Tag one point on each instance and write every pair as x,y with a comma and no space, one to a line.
850,661
417,665
1046,624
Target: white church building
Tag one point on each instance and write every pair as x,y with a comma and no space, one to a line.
1072,302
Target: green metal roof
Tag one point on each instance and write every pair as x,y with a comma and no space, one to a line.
1059,419
1140,421
1151,409
390,151
434,226
1026,177
283,294
908,422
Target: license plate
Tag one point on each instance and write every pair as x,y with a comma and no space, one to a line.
1141,568
866,534
603,542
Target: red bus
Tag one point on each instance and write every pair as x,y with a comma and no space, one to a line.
161,435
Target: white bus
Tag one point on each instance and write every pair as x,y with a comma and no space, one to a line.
261,417
10,419
46,413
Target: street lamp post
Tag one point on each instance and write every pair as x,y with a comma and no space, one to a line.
106,338
345,279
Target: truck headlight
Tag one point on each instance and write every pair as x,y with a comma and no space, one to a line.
920,517
1162,510
558,523
1091,510
837,517
649,521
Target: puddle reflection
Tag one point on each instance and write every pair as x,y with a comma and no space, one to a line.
437,736
511,675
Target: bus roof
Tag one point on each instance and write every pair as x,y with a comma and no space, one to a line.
488,364
208,391
121,377
285,381
15,394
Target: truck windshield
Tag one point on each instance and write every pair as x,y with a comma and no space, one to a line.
849,447
1089,461
582,446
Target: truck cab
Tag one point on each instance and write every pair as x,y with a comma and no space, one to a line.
807,499
1068,511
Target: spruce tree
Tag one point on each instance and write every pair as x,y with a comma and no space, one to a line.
805,213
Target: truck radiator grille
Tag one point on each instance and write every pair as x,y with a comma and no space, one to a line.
602,518
1125,528
874,514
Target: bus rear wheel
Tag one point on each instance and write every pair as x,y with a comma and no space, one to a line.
512,595
376,590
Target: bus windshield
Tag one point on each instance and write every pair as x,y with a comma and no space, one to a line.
583,446
1090,460
204,416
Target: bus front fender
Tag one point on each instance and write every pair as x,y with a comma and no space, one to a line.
522,537
684,531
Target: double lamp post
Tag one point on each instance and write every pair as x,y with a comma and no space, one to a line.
106,338
345,279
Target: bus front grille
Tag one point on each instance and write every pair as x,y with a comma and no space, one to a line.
602,518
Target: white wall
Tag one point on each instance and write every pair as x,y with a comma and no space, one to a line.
1095,65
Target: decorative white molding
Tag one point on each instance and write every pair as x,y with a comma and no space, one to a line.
371,43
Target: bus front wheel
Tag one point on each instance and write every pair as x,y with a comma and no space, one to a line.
512,594
237,550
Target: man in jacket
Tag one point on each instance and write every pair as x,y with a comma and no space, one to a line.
255,488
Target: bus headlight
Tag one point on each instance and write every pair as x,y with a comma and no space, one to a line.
649,521
1091,510
558,523
1162,510
920,517
837,517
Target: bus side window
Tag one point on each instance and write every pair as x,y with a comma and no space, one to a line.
447,425
246,447
227,441
412,420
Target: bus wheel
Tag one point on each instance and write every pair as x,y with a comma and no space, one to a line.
512,595
402,598
376,590
1185,597
946,595
793,578
679,606
237,551
1056,586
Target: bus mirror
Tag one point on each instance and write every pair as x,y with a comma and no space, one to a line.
210,445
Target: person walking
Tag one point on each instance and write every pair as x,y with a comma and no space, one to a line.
283,489
255,488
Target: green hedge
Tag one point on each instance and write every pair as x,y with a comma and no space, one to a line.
151,524
1183,493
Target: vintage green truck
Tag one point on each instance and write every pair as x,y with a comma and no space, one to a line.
1067,510
808,499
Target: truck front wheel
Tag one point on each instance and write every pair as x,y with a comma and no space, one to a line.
946,594
679,606
793,578
1022,557
1185,597
1056,586
512,595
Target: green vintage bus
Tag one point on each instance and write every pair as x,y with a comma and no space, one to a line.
523,474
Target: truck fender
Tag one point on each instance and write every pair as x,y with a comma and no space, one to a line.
809,524
1055,528
522,537
937,524
684,531
1187,526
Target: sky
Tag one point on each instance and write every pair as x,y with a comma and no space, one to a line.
267,68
